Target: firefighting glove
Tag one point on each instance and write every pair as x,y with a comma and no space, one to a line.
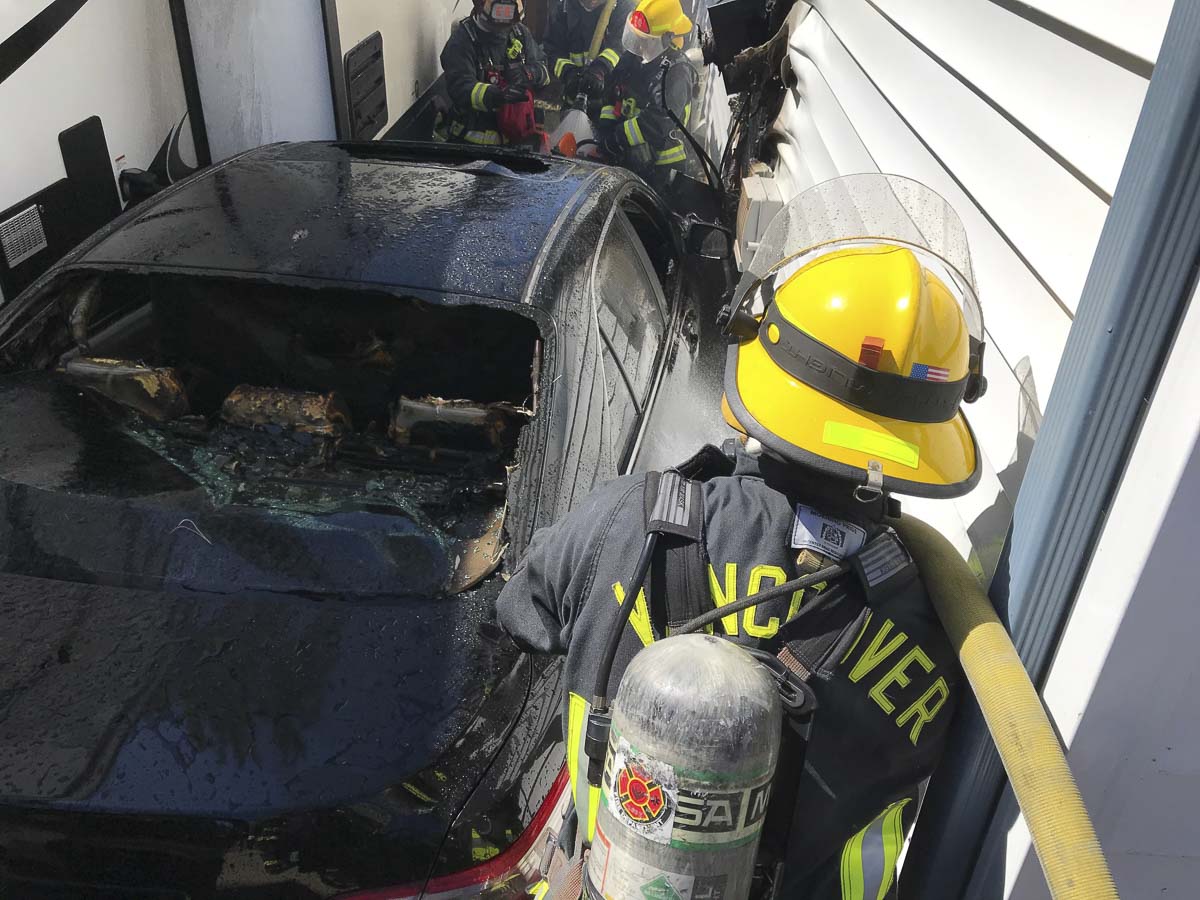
593,80
587,81
614,146
515,94
573,82
523,75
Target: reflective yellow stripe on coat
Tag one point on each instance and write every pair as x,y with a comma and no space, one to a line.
486,138
587,798
869,858
478,95
671,156
633,132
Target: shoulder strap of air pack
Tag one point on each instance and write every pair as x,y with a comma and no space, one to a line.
880,569
674,507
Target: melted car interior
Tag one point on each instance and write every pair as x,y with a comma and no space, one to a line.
310,401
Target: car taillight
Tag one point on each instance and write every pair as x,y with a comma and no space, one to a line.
509,875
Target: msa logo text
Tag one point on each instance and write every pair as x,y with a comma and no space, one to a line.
722,813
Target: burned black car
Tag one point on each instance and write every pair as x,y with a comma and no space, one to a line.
271,442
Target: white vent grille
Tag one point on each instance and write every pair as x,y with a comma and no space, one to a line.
22,236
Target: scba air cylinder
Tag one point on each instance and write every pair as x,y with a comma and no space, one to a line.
694,743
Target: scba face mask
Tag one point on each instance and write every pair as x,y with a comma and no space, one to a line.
500,15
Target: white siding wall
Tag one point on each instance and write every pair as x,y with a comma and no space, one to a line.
115,59
1021,116
263,72
1021,120
414,32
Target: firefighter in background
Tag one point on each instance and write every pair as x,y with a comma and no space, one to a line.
653,76
822,446
575,28
493,65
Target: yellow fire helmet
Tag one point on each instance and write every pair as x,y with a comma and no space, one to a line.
866,340
653,26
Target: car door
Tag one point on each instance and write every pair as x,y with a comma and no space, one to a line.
611,322
632,319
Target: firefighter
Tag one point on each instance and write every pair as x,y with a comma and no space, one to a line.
847,389
575,28
492,65
653,76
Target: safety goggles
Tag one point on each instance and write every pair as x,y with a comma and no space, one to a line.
638,40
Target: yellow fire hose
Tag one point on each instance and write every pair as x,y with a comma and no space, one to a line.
601,28
1063,835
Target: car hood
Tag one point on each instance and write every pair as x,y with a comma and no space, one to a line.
130,701
303,678
214,744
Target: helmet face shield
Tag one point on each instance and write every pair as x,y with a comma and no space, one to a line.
648,46
858,210
859,337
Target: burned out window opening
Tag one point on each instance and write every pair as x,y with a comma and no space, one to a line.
319,407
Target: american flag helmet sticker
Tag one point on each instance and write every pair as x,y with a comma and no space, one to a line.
922,372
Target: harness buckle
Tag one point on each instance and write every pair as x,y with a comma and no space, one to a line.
798,698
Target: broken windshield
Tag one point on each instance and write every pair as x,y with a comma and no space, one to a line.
277,433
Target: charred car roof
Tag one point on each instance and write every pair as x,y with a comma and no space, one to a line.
398,215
